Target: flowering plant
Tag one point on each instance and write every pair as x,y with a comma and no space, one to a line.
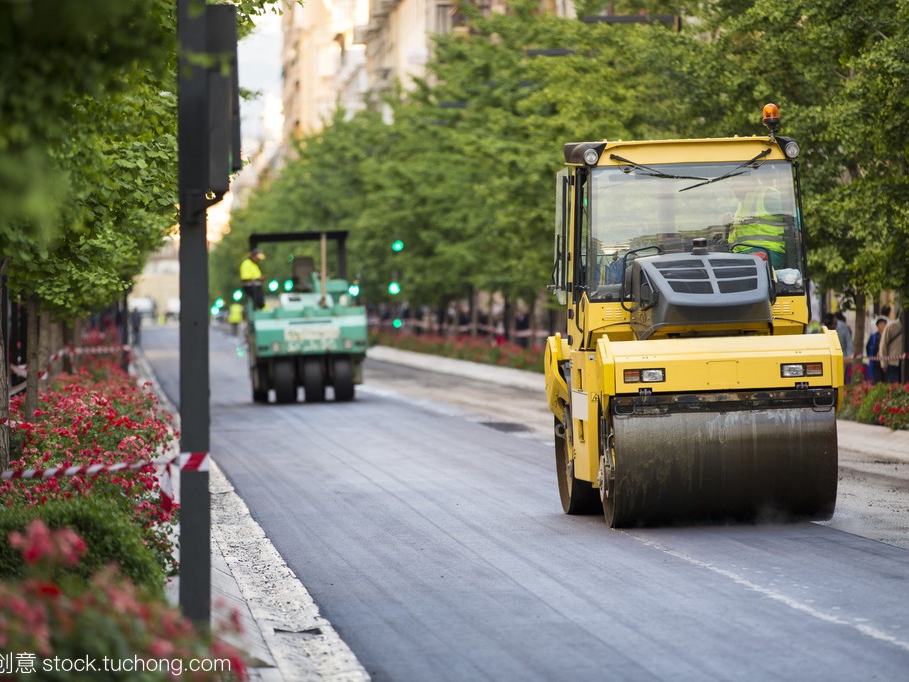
106,621
892,407
479,349
96,415
882,404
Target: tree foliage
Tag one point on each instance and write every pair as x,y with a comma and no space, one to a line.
88,154
464,173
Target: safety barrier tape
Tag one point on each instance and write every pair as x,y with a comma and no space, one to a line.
87,470
186,461
22,370
429,325
878,358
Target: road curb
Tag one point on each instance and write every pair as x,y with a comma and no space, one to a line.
283,636
878,441
504,376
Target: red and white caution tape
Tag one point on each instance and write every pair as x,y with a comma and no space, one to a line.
187,461
86,470
194,461
22,370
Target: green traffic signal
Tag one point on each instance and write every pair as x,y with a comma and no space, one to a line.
273,285
397,324
238,295
288,285
354,289
394,288
397,245
219,303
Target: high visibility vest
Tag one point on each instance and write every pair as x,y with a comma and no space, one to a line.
755,224
249,270
235,313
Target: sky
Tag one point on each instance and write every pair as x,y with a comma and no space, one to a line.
259,67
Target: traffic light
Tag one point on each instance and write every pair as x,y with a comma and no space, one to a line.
219,303
394,288
237,295
273,285
397,324
288,285
397,245
354,289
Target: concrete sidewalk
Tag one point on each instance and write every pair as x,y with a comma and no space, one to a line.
878,441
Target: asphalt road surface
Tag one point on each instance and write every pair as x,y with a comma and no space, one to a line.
428,529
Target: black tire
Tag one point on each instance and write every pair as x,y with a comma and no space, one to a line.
313,380
343,379
615,506
285,381
260,384
577,496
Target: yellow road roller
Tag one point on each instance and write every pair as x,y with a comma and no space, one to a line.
685,384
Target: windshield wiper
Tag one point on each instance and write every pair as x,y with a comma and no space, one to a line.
653,171
735,171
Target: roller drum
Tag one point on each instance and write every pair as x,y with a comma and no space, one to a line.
737,464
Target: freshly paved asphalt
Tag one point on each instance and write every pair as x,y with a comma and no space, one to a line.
425,543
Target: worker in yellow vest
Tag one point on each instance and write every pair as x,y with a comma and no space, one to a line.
235,317
251,276
758,220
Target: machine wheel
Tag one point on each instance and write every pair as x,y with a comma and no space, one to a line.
285,381
313,380
343,379
607,479
578,497
259,395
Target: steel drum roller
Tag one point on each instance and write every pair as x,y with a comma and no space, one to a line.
729,464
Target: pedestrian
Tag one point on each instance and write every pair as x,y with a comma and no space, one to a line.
135,320
873,348
891,350
844,332
251,276
235,317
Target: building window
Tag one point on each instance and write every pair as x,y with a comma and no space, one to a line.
445,15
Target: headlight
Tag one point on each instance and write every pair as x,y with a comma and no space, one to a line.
591,157
794,370
791,150
634,376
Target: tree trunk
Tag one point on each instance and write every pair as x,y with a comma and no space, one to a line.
44,343
4,377
508,313
70,334
33,360
532,318
858,338
474,312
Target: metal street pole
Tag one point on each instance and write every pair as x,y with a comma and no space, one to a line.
192,135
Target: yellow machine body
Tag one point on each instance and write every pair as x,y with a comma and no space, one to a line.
686,383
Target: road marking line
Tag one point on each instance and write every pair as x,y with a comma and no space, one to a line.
777,596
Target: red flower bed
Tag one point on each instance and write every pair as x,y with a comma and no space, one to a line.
479,349
95,416
107,626
882,404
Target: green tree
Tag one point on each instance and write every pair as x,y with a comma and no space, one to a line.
88,162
